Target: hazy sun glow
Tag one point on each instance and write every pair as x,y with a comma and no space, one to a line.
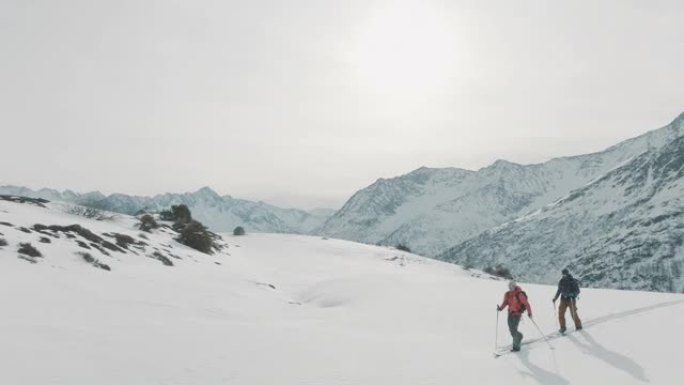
406,47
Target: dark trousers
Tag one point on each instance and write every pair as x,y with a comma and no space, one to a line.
513,323
565,304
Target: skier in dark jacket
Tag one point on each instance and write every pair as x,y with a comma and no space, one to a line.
516,300
568,290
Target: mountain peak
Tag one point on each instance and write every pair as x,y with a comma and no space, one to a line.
207,192
500,164
92,195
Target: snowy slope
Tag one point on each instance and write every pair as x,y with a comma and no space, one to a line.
219,213
431,210
625,230
291,310
62,236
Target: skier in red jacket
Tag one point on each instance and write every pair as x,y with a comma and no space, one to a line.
516,300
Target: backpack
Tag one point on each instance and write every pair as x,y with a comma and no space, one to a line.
523,308
574,287
570,288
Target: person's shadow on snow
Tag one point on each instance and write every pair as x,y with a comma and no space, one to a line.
614,359
540,375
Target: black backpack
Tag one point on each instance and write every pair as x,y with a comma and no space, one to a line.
570,287
575,287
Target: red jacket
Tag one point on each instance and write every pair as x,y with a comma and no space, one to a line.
514,299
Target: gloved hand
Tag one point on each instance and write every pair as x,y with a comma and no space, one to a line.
498,308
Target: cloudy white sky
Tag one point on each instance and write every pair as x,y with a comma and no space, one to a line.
301,103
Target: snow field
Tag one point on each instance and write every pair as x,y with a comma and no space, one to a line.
339,313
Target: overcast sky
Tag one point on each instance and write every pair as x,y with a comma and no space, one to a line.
302,103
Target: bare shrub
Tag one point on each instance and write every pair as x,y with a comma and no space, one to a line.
180,214
28,249
499,271
147,223
162,258
94,261
89,212
403,247
195,235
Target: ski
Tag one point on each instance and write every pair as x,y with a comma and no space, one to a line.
498,354
534,341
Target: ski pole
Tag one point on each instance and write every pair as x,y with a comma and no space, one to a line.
555,314
496,333
542,333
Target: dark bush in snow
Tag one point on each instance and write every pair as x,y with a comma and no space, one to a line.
94,261
3,242
196,236
147,223
123,240
179,214
81,231
239,231
99,248
19,199
403,247
166,215
499,271
89,212
44,240
162,258
191,232
28,249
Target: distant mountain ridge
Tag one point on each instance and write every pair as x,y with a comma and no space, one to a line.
221,214
431,210
624,230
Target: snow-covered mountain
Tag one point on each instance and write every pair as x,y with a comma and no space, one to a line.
430,210
219,213
624,230
291,310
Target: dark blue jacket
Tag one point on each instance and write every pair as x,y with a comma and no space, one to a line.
568,288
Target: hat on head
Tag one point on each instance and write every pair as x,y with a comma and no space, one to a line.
512,284
565,272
